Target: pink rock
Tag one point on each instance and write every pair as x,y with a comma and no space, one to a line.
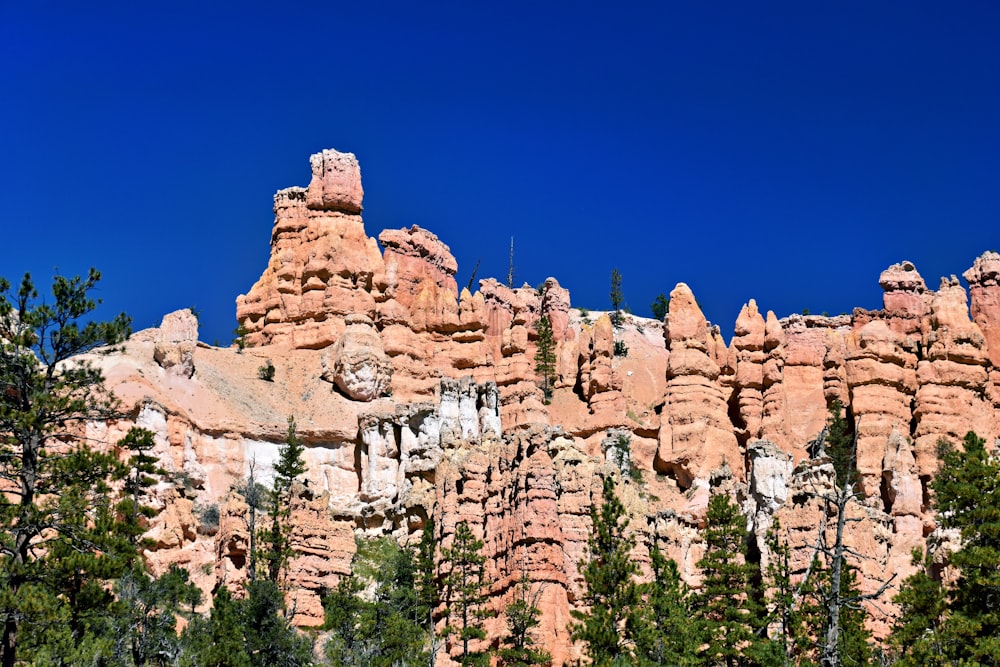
357,364
336,182
984,290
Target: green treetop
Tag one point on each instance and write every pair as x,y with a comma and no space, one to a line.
728,610
609,625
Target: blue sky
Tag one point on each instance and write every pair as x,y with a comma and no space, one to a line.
783,151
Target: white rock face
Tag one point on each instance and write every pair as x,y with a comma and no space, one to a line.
770,474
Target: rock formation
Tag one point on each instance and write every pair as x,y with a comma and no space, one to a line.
417,400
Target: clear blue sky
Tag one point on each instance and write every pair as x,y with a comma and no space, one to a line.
783,151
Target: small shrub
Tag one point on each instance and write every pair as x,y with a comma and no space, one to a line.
621,349
239,334
805,311
208,517
266,372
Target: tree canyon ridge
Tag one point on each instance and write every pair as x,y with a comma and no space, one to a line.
417,400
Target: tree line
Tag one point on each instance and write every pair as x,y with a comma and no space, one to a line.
74,589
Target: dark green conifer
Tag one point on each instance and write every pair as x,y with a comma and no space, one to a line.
665,635
60,538
290,466
728,611
959,623
463,585
609,624
545,356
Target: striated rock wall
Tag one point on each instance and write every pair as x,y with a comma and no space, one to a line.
417,400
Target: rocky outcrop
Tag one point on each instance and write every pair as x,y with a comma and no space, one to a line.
357,364
417,400
696,435
175,342
953,375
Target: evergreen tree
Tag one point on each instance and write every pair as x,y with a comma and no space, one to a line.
917,634
660,307
961,621
518,645
617,298
665,634
795,611
728,609
463,585
609,625
145,616
545,356
217,641
383,629
425,580
269,640
290,465
53,482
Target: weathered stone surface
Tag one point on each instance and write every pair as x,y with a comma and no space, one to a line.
696,436
984,290
357,363
881,370
460,430
906,299
321,269
952,378
175,342
336,182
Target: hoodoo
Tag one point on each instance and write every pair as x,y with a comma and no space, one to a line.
418,401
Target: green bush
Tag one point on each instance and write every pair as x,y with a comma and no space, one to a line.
266,372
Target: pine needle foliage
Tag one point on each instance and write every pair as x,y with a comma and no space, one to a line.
728,610
665,635
464,592
60,538
959,623
609,625
545,355
289,467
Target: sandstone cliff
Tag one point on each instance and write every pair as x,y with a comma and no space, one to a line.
416,400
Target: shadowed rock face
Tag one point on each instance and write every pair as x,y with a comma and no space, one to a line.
418,400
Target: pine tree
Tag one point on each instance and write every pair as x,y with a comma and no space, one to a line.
426,584
217,641
922,601
463,584
660,307
53,482
518,645
384,627
617,298
145,615
609,625
269,639
139,479
728,609
961,621
665,635
545,356
290,465
795,612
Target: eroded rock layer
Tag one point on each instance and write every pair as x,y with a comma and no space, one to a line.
417,400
